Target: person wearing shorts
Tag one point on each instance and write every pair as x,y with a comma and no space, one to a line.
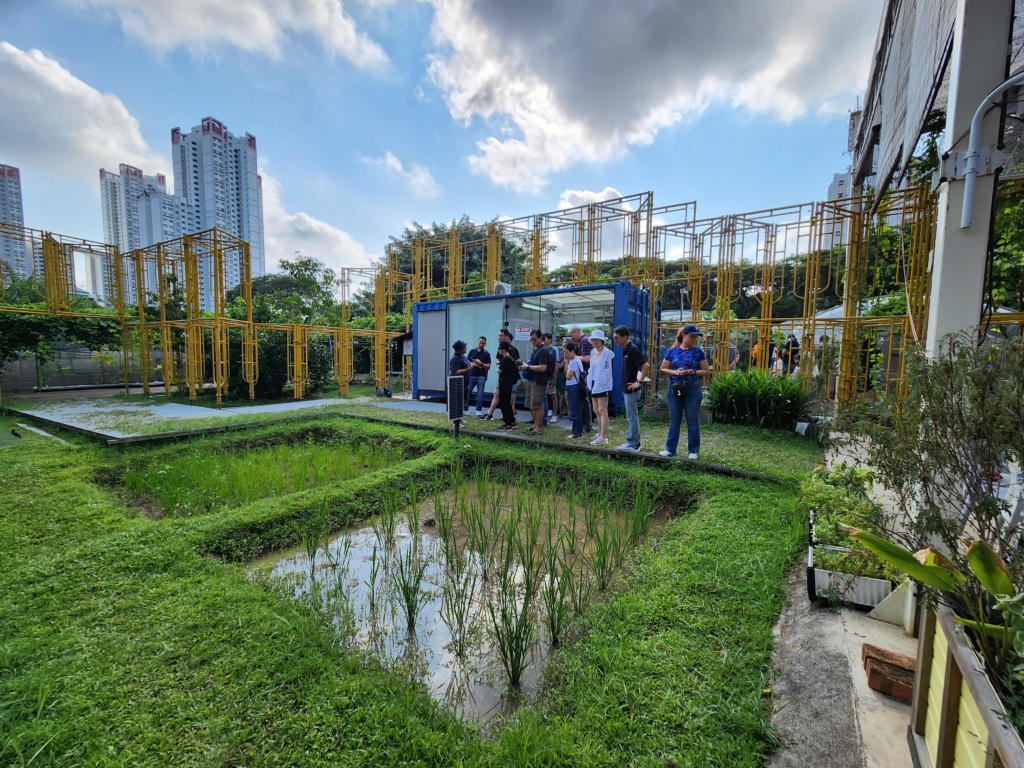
538,370
599,382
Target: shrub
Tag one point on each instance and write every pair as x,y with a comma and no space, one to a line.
756,398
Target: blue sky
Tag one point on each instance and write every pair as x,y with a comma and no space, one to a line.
370,114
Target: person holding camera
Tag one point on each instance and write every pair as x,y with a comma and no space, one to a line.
687,365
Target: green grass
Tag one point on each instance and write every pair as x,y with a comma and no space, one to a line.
199,480
128,641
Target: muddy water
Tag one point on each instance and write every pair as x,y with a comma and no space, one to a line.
474,686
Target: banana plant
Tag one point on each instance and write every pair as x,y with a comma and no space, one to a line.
933,569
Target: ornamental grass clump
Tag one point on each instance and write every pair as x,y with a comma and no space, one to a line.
757,398
940,449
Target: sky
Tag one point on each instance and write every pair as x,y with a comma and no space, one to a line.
372,114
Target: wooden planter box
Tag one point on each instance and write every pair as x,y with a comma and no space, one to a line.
862,591
955,719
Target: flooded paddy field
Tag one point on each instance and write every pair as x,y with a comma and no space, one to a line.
469,589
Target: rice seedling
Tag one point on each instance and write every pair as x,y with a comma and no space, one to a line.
457,607
385,526
318,528
639,514
412,513
514,631
605,540
408,576
554,592
371,583
579,586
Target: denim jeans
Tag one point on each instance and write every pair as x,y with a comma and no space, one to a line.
689,406
575,409
633,415
476,383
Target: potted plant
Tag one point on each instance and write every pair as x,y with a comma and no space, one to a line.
937,447
840,569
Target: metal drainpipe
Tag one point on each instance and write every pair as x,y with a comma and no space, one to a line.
972,147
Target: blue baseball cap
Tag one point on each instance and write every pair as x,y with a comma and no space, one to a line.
692,330
460,344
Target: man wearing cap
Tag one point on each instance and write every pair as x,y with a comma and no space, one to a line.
459,365
687,365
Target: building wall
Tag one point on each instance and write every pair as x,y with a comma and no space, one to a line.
13,253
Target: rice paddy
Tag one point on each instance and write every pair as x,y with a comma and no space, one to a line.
200,481
468,590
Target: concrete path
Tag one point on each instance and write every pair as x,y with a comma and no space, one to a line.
825,712
80,413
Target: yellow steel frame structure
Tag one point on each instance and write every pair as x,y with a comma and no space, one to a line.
197,270
808,250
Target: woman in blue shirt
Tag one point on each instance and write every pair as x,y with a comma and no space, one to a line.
688,367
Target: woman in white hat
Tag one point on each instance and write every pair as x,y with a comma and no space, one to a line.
600,382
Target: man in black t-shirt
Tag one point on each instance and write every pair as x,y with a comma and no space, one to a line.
504,334
538,369
480,359
459,365
635,370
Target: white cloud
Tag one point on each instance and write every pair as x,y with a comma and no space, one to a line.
417,177
563,83
286,233
50,119
252,25
573,198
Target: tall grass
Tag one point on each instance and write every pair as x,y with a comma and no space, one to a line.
201,481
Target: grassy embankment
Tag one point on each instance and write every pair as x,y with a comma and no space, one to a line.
131,641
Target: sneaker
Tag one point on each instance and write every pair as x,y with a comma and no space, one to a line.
572,437
692,456
479,413
554,419
666,454
599,441
627,448
508,427
482,415
550,414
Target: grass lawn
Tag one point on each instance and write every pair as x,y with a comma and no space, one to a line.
131,641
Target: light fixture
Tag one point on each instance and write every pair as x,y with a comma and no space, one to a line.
532,307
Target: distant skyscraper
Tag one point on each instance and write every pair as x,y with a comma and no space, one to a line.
119,194
839,189
13,260
215,171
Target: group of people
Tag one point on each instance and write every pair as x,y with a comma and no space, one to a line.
585,362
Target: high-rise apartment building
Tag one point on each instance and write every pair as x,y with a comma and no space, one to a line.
137,212
119,193
215,172
14,259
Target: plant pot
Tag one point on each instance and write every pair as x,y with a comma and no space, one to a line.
863,592
956,716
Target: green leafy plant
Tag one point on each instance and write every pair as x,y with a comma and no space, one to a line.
938,449
758,399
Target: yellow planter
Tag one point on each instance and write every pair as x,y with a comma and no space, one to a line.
955,722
